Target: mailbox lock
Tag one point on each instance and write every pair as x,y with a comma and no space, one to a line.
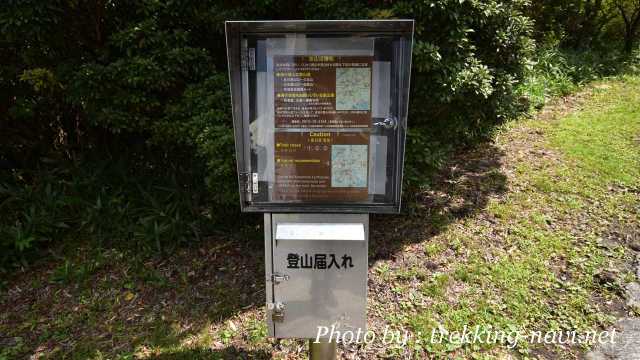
277,311
278,278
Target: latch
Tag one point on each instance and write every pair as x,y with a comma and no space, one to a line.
277,278
277,311
254,183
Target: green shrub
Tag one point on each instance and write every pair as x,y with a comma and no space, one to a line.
469,58
33,214
112,203
557,72
549,75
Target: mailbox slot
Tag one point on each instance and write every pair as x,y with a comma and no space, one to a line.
320,231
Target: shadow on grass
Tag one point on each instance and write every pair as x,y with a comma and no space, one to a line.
460,190
111,302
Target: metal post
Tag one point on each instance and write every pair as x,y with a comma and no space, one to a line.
322,350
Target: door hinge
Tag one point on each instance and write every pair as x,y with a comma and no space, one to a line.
250,182
245,181
248,59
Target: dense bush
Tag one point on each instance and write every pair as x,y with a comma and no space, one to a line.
599,25
127,98
114,202
469,58
141,87
555,72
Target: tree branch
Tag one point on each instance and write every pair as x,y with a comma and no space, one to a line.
623,13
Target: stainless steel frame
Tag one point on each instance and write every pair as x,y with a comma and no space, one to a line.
234,32
333,26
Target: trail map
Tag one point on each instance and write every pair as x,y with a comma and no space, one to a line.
353,88
349,165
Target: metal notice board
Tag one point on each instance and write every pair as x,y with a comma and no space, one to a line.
320,119
320,113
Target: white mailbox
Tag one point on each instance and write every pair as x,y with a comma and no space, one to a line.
316,268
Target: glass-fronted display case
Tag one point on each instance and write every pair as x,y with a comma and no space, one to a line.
320,113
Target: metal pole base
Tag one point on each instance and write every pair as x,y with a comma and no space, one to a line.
323,350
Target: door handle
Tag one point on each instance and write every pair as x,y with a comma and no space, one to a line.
278,278
388,123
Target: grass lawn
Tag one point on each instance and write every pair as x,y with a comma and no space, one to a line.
527,232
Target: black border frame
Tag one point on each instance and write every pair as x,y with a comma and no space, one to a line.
234,31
